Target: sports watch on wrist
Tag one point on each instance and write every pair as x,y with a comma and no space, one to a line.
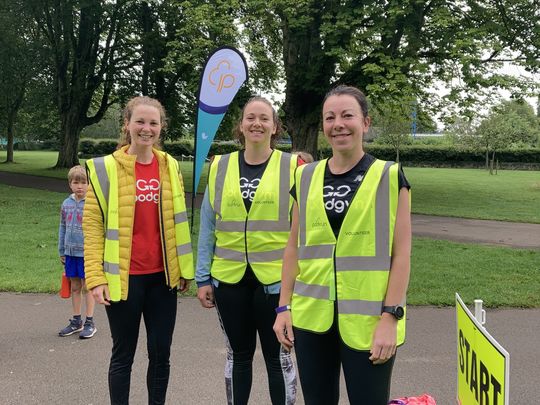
396,310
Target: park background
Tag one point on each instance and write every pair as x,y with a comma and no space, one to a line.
434,73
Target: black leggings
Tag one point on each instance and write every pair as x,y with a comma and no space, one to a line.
148,296
320,357
245,309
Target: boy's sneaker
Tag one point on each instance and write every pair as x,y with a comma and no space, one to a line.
75,325
88,331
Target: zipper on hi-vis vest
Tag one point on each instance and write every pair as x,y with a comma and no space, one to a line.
163,243
332,294
245,239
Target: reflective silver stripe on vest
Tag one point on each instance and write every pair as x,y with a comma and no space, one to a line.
360,307
315,252
312,290
305,184
269,225
111,268
362,263
220,183
284,187
103,178
183,249
381,260
268,256
230,226
180,218
230,254
382,215
112,234
281,225
259,225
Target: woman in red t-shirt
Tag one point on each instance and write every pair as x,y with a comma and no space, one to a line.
149,267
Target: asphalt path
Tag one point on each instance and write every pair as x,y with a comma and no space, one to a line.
512,234
39,367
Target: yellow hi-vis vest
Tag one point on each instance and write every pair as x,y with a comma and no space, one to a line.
353,270
103,176
257,238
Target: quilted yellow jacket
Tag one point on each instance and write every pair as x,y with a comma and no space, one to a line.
93,226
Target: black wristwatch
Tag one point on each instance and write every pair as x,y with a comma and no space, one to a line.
397,311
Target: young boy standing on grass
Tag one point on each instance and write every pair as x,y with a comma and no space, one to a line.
71,249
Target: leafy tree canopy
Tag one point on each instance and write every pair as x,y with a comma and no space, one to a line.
510,124
391,49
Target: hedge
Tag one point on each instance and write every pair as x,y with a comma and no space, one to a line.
99,147
410,155
442,155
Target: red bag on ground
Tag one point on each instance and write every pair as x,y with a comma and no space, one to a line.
424,399
65,287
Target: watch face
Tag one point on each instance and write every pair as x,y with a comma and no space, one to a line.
399,312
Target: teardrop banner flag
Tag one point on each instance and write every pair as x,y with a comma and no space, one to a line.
223,75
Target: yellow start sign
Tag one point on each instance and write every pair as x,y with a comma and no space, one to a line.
483,364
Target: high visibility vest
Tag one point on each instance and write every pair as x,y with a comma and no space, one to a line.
258,237
352,270
103,176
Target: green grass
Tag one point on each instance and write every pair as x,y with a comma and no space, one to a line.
511,195
28,241
29,261
41,163
474,193
499,276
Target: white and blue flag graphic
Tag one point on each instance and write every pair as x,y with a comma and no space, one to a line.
223,75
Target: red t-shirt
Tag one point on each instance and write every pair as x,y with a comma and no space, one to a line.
146,253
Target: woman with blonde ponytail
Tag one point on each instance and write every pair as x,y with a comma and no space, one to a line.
138,247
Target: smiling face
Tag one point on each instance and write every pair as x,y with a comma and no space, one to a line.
258,124
344,124
144,126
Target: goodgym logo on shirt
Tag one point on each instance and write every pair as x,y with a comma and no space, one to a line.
334,200
147,190
248,188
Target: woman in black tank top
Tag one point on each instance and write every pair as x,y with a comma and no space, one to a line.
321,353
244,295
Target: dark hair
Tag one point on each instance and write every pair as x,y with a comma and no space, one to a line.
125,137
237,133
343,90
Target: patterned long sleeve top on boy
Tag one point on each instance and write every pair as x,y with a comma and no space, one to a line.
70,232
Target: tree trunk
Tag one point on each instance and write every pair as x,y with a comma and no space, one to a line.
69,143
10,138
12,111
305,138
302,121
397,155
146,22
487,159
308,74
